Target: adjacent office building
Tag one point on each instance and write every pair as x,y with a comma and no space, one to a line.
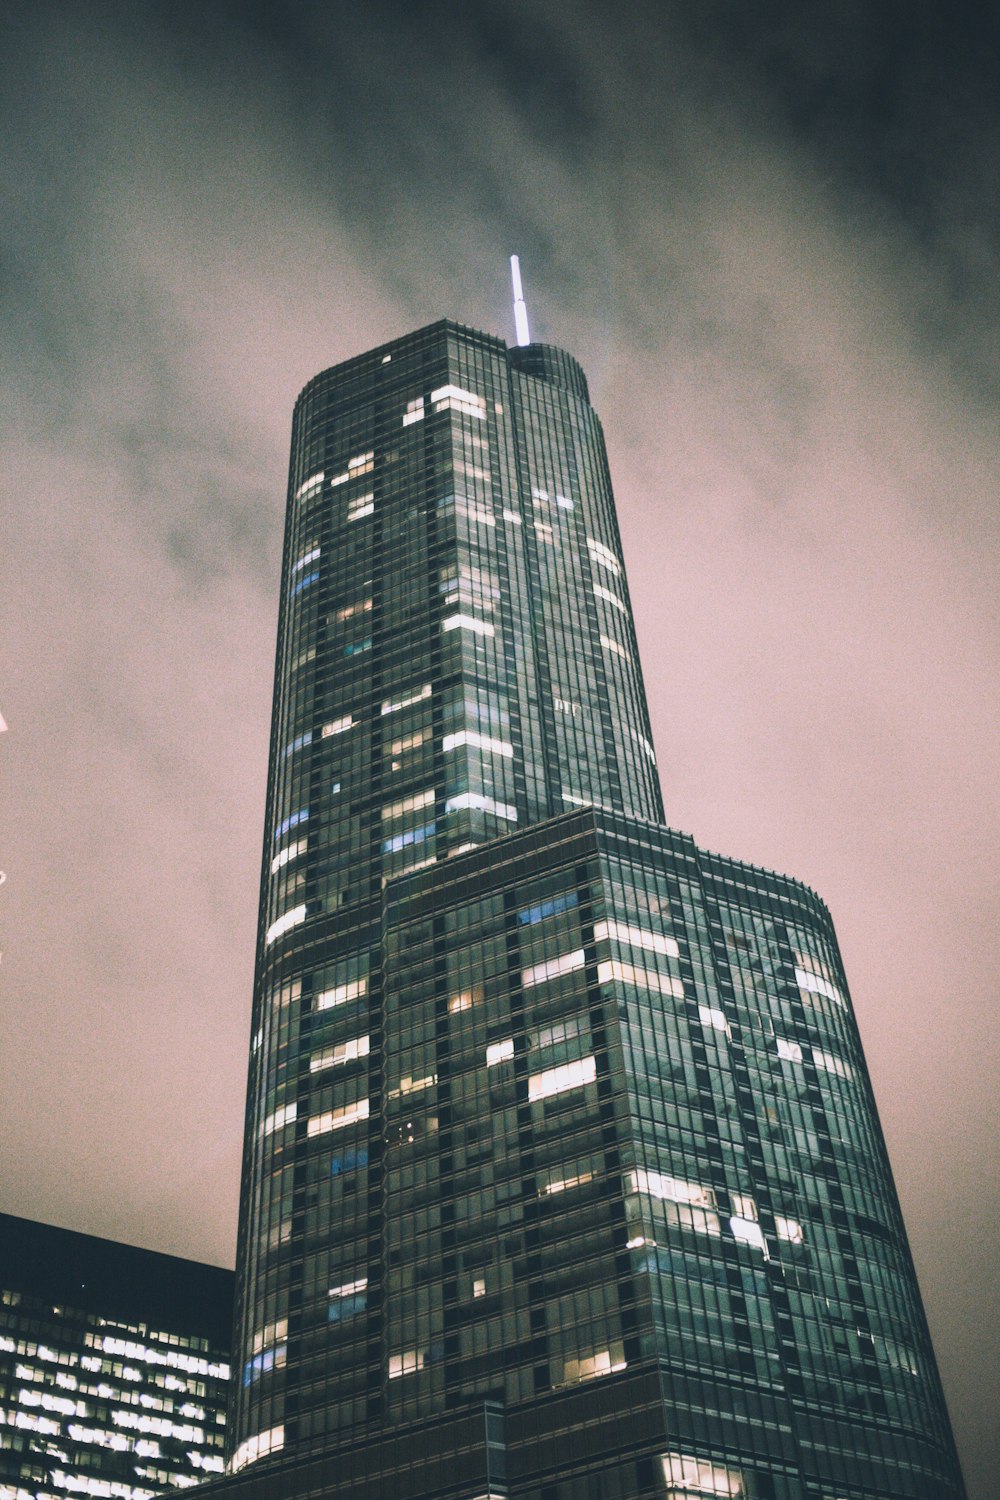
114,1366
563,1175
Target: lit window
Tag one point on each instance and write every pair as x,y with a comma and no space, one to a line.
278,1118
339,1119
688,1478
348,1300
610,645
464,1000
564,1184
407,702
572,1075
361,505
408,837
498,1052
551,968
606,594
463,506
611,969
299,743
669,1189
788,1229
641,739
362,464
310,487
454,398
814,985
292,821
344,1052
256,1447
477,742
552,908
362,607
410,1085
285,923
305,559
407,1363
830,1063
603,556
468,622
479,1286
414,411
593,1366
303,583
354,989
478,803
743,1225
635,937
410,742
409,804
349,1288
290,852
789,1051
716,1019
512,517
338,726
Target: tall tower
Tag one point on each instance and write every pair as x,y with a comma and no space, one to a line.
562,1172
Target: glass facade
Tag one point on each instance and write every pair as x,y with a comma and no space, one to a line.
562,1172
114,1367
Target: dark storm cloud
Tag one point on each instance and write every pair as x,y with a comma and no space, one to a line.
771,237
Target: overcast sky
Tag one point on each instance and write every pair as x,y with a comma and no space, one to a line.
770,233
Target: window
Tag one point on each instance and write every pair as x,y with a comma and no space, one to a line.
337,726
635,937
310,487
477,742
408,701
292,821
814,985
339,1119
478,803
344,1052
278,1118
606,594
285,923
532,914
573,1075
498,1052
611,969
552,968
610,645
454,398
407,1363
286,855
362,464
414,411
603,556
468,622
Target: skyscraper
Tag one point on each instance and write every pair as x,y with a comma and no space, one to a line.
562,1171
114,1366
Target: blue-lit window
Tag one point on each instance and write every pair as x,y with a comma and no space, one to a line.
411,836
299,742
348,1161
259,1365
303,583
532,914
292,821
342,1308
355,648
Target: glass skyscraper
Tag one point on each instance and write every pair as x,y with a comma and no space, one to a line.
562,1175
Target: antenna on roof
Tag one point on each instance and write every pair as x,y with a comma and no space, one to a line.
520,311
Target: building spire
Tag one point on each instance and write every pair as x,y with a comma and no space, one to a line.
520,311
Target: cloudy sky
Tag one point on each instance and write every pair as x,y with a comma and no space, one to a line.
770,233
